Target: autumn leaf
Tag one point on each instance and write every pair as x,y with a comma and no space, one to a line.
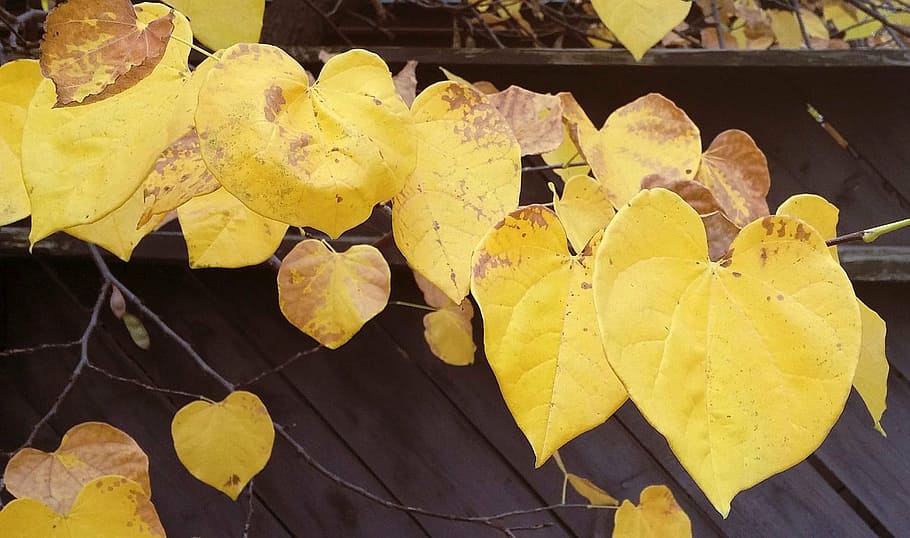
854,23
537,306
639,24
736,173
468,176
218,24
18,81
330,295
106,506
704,348
483,86
406,82
594,494
90,46
320,156
789,34
87,451
575,121
650,135
81,163
535,118
222,232
657,515
224,444
584,209
448,330
871,379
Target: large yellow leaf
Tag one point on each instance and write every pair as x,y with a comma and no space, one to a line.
87,451
93,49
639,24
320,156
330,295
18,81
537,307
744,364
81,163
106,506
224,444
871,379
657,516
218,24
222,232
584,209
650,135
468,177
736,173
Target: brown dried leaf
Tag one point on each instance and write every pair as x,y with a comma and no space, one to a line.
709,39
535,118
406,82
94,49
736,172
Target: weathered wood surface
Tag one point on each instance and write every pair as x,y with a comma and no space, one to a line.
383,413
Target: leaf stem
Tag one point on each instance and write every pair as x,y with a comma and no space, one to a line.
413,305
869,235
195,47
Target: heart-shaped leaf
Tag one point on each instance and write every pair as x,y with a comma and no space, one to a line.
656,515
584,208
218,24
639,24
736,173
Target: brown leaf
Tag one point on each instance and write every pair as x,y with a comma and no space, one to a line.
709,39
94,49
535,118
406,82
736,172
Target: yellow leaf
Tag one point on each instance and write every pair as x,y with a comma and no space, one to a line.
449,333
537,307
224,444
871,379
222,232
93,49
468,177
591,491
736,173
657,516
752,355
789,35
106,506
535,118
847,19
218,24
81,163
650,135
320,156
87,451
584,209
639,24
575,121
330,295
18,81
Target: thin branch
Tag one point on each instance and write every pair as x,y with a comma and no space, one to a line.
146,386
40,347
715,12
294,358
486,26
249,511
551,166
872,12
328,20
802,23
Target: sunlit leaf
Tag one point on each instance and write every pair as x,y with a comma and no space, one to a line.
535,118
639,24
18,81
450,335
81,163
650,135
591,491
736,172
218,24
222,232
320,156
468,177
752,355
106,506
537,307
87,451
224,444
657,516
584,210
93,49
330,295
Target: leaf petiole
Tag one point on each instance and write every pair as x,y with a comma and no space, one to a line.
869,235
413,305
195,47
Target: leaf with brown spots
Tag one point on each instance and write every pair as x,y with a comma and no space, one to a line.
736,172
535,118
330,295
651,135
89,45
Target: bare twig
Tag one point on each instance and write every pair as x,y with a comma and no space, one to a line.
331,24
146,386
872,12
551,166
802,23
40,347
249,510
715,12
294,358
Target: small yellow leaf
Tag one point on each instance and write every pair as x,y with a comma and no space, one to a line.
330,295
736,173
591,491
786,28
93,49
651,135
81,163
450,335
847,19
87,451
535,118
106,506
537,307
224,444
222,232
657,516
320,156
18,81
218,24
468,176
639,24
751,355
583,209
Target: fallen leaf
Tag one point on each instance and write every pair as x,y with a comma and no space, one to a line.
656,516
709,39
218,24
639,24
18,81
847,19
535,118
